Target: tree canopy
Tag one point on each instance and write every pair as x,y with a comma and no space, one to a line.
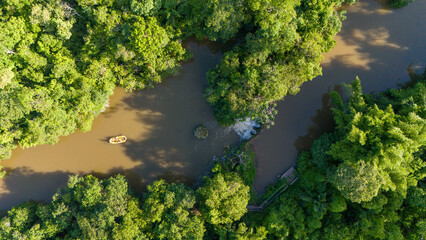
365,180
60,60
90,208
356,195
169,212
87,208
282,49
224,198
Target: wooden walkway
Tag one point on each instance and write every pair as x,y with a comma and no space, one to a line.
291,176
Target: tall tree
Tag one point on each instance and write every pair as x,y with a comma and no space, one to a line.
169,212
224,198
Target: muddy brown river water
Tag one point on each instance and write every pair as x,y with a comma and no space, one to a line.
378,45
158,124
375,44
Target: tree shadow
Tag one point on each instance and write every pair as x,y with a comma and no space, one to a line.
322,122
385,4
376,43
23,184
371,35
170,113
415,75
162,147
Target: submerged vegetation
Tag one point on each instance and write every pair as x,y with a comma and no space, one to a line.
364,180
60,60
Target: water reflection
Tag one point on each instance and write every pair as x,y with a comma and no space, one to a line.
321,122
369,7
24,183
159,122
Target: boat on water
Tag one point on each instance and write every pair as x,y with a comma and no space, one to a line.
118,139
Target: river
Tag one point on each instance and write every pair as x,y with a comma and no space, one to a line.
158,124
375,44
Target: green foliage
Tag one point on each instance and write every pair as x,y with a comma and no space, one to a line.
224,198
337,196
337,203
214,19
137,50
365,180
6,76
319,150
287,218
239,160
377,145
400,3
169,212
360,182
44,94
88,208
242,232
283,50
60,61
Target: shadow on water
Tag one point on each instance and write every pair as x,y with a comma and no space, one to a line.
375,44
172,111
158,123
23,184
384,4
321,123
378,39
415,73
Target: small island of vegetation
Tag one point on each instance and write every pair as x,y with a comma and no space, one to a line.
201,132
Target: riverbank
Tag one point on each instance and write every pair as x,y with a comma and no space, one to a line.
158,124
162,129
377,44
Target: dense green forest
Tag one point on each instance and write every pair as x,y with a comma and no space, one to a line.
364,180
61,60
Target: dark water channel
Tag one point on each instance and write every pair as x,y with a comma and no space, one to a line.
375,44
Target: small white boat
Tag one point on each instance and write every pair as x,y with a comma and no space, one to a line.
118,139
